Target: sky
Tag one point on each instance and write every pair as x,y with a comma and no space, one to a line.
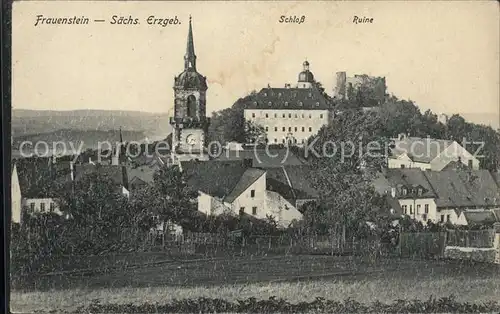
442,55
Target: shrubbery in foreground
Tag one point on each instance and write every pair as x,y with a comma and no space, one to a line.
273,305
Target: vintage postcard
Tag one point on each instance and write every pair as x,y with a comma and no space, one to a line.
255,157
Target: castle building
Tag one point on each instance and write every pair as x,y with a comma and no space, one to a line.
189,122
290,115
352,87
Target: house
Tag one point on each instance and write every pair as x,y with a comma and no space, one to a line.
292,182
117,174
439,196
238,188
477,218
16,197
34,186
428,154
290,115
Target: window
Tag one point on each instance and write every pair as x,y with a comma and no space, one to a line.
302,116
252,193
418,209
411,209
303,129
303,141
405,209
267,116
321,116
283,129
242,210
52,207
310,116
290,129
404,191
290,115
286,103
317,104
275,115
42,207
402,166
300,103
442,218
275,129
269,103
267,128
426,208
310,129
276,140
424,217
283,141
283,115
254,210
295,129
448,218
469,163
253,115
420,191
32,207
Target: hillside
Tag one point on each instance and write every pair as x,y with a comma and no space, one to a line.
45,121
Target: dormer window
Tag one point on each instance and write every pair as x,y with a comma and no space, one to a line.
255,103
404,191
279,94
269,103
286,103
310,94
265,94
300,103
317,104
420,191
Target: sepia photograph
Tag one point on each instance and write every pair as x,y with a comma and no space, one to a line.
254,157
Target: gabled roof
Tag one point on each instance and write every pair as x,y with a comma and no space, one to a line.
39,176
419,149
469,188
272,158
291,182
399,178
112,172
216,178
480,217
288,98
247,179
144,173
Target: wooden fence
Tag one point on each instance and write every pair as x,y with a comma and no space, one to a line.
422,244
471,238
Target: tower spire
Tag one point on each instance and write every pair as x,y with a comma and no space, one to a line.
190,57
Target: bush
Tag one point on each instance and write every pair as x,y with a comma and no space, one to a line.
273,305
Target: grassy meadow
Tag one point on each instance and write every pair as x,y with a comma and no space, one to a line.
293,278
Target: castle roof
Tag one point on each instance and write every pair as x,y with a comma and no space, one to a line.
288,98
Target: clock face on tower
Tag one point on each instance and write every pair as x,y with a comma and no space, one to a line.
191,139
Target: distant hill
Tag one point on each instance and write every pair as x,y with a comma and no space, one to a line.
85,126
45,121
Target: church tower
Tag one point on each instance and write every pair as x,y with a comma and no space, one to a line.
189,123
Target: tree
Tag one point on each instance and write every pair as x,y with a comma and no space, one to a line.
350,151
176,199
